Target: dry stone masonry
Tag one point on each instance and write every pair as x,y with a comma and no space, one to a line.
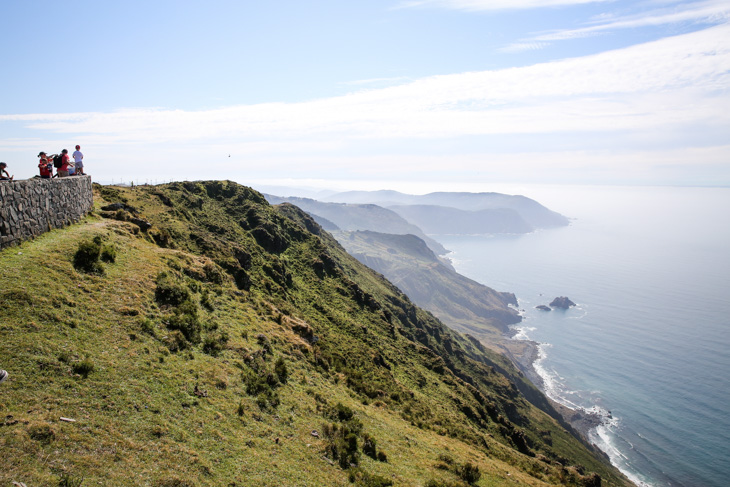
30,208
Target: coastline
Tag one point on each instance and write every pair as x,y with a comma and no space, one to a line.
525,353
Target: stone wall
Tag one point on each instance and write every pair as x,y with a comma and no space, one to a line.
32,207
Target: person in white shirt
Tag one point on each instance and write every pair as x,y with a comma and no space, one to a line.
79,160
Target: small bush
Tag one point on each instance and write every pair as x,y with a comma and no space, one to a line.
369,446
215,343
83,368
108,254
170,292
213,273
281,371
443,483
176,341
268,400
468,473
86,258
205,300
341,442
342,412
186,321
364,479
174,482
68,480
42,432
121,215
147,326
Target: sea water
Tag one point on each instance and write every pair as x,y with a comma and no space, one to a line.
648,345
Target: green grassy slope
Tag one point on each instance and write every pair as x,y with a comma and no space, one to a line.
460,302
231,345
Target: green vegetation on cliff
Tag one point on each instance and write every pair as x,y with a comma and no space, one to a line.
236,343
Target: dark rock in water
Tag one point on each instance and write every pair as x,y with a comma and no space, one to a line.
562,302
543,307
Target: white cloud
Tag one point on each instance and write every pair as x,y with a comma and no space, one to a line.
481,5
525,46
640,86
669,87
712,11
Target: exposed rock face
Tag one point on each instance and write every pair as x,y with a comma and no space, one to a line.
30,208
562,302
542,307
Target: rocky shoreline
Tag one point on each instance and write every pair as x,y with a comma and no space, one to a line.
524,353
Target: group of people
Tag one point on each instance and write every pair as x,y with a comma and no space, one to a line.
62,163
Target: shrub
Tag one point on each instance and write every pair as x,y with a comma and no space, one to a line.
268,400
174,482
170,292
121,215
86,258
205,300
83,368
443,483
364,479
147,326
108,254
369,446
468,473
68,480
342,412
176,341
213,273
186,321
281,371
42,432
341,442
214,343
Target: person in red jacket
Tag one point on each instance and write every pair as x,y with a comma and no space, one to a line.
45,166
63,170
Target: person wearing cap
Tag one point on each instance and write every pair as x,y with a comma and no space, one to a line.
45,165
79,160
62,171
4,176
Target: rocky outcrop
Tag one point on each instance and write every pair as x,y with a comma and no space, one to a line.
30,208
542,307
562,302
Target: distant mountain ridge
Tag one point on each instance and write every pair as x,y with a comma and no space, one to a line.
535,214
442,220
357,216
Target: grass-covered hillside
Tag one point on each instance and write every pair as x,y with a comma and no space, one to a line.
234,343
458,301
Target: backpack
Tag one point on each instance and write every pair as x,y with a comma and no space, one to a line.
57,161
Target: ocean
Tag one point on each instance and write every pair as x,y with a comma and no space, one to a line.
648,345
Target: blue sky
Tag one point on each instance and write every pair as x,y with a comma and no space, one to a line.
411,95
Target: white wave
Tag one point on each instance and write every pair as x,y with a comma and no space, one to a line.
521,332
603,437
